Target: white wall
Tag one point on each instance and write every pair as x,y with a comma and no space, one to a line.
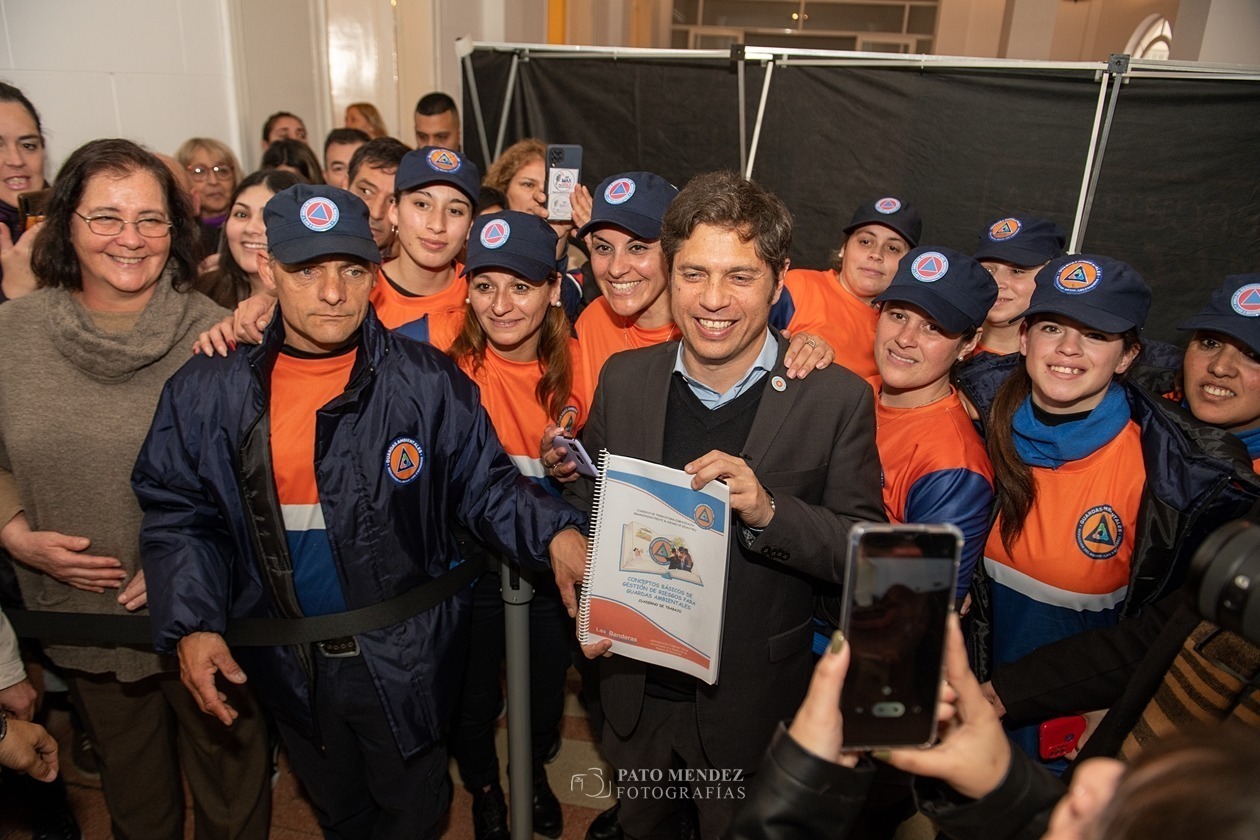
154,71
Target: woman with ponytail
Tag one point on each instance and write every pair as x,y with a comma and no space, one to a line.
1103,490
515,344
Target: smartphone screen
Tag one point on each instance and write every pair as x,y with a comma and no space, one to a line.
564,168
900,588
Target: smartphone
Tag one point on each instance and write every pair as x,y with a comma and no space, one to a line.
564,168
899,589
577,455
31,206
1058,737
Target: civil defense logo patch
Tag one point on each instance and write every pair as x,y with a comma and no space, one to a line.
929,267
888,205
1077,277
444,160
495,234
1004,229
1099,532
403,460
1246,301
619,191
319,214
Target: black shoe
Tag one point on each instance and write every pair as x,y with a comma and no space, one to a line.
548,818
489,811
606,826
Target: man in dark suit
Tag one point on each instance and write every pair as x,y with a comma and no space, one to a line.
800,461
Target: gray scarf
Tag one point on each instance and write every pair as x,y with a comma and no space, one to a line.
116,357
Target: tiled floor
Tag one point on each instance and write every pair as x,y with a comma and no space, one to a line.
572,777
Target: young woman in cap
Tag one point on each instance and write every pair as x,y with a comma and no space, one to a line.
837,304
1013,249
1221,372
1097,504
934,462
515,344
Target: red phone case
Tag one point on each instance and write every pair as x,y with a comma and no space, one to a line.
1060,736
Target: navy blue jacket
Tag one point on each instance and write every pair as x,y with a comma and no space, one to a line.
213,541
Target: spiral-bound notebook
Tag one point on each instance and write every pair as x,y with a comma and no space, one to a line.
656,572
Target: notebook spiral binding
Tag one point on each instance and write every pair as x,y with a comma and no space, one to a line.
584,602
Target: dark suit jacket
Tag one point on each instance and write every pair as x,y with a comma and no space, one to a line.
813,447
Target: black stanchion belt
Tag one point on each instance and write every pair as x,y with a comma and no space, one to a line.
250,632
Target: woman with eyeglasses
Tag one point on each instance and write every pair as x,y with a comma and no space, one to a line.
212,168
86,358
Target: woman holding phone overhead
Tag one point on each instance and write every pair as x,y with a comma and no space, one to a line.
21,170
515,345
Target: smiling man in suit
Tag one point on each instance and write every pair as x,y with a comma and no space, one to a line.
799,458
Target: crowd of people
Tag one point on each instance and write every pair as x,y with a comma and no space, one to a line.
314,407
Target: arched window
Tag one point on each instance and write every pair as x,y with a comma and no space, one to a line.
1152,39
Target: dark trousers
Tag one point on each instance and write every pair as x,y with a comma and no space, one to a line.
667,738
472,738
144,732
357,780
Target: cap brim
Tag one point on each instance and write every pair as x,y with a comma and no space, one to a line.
528,268
307,248
1082,313
643,228
1223,324
438,179
950,317
910,240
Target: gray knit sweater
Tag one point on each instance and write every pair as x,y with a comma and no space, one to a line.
76,402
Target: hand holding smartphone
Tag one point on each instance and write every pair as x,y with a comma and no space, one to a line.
899,591
576,454
564,169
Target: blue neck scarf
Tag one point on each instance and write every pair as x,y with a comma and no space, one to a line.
1040,445
1250,439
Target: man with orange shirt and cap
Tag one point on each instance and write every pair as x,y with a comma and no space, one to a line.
312,479
837,304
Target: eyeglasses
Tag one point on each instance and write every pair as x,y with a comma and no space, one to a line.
201,173
112,226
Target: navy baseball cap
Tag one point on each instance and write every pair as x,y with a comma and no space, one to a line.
1024,241
634,202
521,243
1099,292
435,165
1233,310
948,285
310,221
890,212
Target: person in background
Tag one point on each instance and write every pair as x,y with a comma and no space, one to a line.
21,170
282,126
244,240
364,117
339,147
110,326
1013,249
837,304
372,169
515,344
296,157
437,122
212,169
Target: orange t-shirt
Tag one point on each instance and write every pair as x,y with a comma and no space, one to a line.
602,332
816,302
508,392
301,386
445,309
